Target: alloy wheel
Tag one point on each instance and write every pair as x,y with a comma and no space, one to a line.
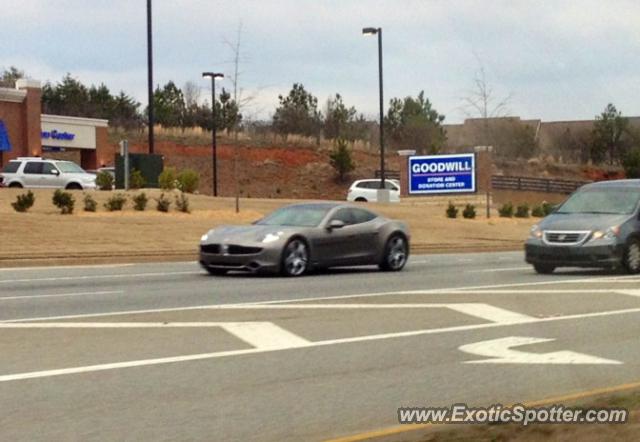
296,258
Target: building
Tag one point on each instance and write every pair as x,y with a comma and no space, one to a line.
25,131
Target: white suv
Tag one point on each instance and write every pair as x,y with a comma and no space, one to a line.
367,190
36,172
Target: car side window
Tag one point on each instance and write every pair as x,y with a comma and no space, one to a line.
363,185
11,167
343,215
33,168
389,185
362,216
47,168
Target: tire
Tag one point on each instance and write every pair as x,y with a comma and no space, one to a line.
216,272
295,258
16,185
361,200
396,252
631,259
73,186
544,269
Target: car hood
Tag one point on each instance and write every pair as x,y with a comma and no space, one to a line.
240,234
582,221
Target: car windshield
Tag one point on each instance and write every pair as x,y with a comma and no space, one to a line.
602,200
303,216
69,167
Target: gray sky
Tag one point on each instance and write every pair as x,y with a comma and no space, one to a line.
560,60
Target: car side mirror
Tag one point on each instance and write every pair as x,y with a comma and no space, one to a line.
55,172
335,224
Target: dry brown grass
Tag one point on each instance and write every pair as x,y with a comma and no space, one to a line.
44,236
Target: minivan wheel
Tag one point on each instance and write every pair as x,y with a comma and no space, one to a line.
631,260
544,269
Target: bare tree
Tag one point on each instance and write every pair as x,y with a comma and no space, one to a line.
191,92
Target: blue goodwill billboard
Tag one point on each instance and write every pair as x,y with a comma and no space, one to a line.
442,174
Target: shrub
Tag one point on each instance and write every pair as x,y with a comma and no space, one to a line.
116,202
104,181
188,181
452,212
167,179
506,211
163,203
631,163
182,203
140,201
469,211
522,211
538,212
63,201
90,205
341,159
24,202
547,208
136,180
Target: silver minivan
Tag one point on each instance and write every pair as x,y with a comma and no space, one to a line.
597,226
36,172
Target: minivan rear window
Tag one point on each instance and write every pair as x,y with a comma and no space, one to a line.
11,167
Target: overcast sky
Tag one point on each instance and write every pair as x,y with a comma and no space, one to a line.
558,60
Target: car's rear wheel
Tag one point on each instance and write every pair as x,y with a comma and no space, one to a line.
544,269
216,272
361,199
16,185
631,260
295,258
395,255
74,186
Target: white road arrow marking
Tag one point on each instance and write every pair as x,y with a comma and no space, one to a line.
501,353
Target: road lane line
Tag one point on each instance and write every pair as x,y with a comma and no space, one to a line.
55,295
84,277
357,339
92,266
501,269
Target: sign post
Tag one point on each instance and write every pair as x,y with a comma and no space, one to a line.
124,151
436,174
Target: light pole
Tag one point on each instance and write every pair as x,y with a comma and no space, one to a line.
150,76
374,31
214,76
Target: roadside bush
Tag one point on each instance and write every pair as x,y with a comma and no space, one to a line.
547,208
631,163
116,202
90,204
163,203
24,202
522,211
188,181
506,211
167,178
182,203
136,180
104,181
140,202
469,211
537,211
63,201
452,212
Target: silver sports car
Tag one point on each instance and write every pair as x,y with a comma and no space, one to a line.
301,237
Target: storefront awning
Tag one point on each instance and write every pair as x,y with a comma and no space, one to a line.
5,144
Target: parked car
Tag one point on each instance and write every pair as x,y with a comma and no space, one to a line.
597,226
367,190
300,237
36,172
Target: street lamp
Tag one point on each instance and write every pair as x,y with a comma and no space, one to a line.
214,76
374,31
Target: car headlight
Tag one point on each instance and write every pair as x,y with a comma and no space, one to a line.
535,232
610,233
271,237
204,237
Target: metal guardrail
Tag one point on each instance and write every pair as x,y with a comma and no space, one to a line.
535,184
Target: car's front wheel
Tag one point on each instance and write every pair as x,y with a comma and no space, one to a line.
544,269
631,260
395,255
73,186
295,258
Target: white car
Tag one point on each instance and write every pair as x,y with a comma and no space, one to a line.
367,190
36,172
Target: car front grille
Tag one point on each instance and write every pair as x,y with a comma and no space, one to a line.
231,249
564,237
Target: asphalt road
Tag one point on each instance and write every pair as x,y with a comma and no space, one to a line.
166,352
